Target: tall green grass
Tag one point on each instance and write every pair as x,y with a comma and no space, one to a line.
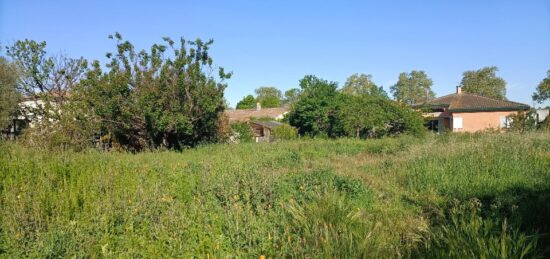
475,195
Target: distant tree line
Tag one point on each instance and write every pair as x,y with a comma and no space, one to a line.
411,88
172,96
268,97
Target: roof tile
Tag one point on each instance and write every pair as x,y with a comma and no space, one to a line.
245,115
471,102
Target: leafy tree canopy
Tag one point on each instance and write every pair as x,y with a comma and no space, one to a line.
321,110
484,82
269,96
367,116
48,78
248,102
291,95
543,90
413,88
9,96
358,84
153,98
313,111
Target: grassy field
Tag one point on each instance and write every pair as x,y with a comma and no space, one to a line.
475,195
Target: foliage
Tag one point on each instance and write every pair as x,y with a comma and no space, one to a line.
269,96
323,111
484,82
243,132
466,232
58,117
543,90
291,95
413,88
285,132
544,125
149,100
481,194
316,107
369,116
46,80
523,121
248,102
9,97
361,84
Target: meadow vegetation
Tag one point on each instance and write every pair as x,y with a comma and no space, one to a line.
470,195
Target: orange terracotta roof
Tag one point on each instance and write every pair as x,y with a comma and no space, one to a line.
245,115
465,102
268,124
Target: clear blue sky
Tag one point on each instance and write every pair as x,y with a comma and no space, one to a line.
275,43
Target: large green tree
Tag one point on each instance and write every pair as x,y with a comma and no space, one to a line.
291,95
9,97
413,88
248,102
314,111
543,90
152,98
484,82
368,116
50,81
44,77
269,96
358,84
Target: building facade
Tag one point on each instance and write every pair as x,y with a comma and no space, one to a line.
464,112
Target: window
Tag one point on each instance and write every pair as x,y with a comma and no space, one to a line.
457,122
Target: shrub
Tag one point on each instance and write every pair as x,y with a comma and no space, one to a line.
242,132
322,110
285,132
523,121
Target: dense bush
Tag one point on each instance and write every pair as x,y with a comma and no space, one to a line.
315,108
138,100
242,132
8,93
152,99
367,116
285,132
321,110
523,121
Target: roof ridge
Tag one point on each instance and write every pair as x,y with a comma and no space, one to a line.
493,99
471,101
457,98
441,97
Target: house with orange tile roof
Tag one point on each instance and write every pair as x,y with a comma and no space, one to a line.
261,121
245,115
464,112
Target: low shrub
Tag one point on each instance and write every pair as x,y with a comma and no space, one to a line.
242,132
285,132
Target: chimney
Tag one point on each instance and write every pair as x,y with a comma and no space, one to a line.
458,90
258,106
